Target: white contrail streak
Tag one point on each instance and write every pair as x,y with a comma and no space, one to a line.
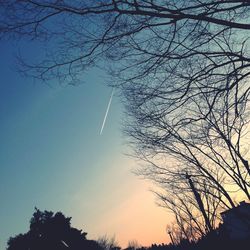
107,111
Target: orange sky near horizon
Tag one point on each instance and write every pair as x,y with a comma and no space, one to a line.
137,218
128,211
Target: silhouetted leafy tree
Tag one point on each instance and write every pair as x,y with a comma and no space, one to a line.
51,231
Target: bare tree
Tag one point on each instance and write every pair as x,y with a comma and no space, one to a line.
192,222
176,51
209,148
180,47
107,243
133,245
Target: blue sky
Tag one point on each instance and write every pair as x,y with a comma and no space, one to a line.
53,157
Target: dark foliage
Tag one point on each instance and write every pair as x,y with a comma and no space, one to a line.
53,231
215,240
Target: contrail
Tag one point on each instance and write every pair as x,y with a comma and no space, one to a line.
107,111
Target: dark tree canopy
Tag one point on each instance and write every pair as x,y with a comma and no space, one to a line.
53,231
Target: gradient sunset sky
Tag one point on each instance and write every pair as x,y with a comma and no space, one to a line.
53,157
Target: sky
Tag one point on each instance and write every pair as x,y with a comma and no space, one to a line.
53,157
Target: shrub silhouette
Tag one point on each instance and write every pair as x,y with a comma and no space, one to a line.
51,232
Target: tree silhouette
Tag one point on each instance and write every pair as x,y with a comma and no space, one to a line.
108,243
51,231
187,47
211,148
